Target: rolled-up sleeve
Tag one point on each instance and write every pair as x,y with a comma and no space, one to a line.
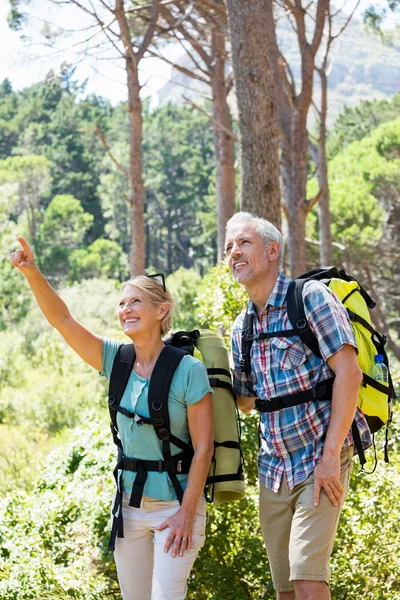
327,318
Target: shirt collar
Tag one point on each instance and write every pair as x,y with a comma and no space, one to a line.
278,294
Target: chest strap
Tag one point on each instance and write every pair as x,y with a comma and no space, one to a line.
322,391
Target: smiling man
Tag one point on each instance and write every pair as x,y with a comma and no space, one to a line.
306,444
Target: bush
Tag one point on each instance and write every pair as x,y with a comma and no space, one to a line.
53,541
183,285
220,299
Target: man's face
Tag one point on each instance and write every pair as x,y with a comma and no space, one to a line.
246,253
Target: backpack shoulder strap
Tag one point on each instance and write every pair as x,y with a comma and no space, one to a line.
121,370
246,343
160,383
297,315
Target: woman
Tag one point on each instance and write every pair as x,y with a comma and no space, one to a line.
161,537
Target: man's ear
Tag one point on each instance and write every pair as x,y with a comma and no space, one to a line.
274,251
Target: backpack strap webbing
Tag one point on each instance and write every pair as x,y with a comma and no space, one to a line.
160,382
159,387
322,391
297,316
120,373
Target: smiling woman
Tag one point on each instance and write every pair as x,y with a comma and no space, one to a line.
162,509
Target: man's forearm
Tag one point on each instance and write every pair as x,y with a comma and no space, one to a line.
344,404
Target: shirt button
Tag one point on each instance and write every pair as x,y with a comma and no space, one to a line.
284,455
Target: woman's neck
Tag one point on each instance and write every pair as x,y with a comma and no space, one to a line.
147,354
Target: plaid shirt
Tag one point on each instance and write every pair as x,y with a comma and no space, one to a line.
292,439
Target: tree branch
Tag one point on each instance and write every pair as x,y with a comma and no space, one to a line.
217,123
179,68
311,203
110,154
148,36
287,214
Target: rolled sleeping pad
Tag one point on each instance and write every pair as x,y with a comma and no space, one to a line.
225,479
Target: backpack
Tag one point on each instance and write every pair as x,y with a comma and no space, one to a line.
375,397
225,481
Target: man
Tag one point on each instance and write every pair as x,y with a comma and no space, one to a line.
306,449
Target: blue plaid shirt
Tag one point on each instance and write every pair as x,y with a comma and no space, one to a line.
292,439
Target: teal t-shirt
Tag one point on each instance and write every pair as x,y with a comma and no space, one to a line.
189,385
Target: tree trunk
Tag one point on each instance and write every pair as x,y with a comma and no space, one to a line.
137,254
324,214
259,173
223,142
293,109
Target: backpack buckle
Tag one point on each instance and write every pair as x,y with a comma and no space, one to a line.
138,420
179,466
302,325
160,466
164,434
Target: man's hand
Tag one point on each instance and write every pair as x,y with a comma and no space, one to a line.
327,476
23,258
245,404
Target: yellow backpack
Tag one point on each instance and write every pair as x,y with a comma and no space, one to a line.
375,396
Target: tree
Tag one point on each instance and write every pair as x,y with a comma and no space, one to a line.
318,149
364,185
203,34
48,120
356,122
253,74
8,110
293,107
31,177
128,42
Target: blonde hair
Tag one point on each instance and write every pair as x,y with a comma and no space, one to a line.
154,290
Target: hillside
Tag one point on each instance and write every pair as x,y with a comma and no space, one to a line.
363,68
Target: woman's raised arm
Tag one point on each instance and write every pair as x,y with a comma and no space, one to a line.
84,342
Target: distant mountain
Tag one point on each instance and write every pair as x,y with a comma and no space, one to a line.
363,68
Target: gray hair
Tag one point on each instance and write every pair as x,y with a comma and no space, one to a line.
264,228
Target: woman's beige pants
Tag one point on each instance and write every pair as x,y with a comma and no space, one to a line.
145,571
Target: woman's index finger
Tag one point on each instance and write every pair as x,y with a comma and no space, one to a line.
24,244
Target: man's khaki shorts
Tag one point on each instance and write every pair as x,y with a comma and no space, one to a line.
298,536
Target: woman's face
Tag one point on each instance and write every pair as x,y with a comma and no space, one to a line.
136,313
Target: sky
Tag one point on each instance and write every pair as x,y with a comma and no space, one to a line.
26,62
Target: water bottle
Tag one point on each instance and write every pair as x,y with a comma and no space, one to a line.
379,370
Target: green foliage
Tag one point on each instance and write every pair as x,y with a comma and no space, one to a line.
103,258
62,230
183,285
363,182
220,299
366,559
178,166
357,122
53,540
